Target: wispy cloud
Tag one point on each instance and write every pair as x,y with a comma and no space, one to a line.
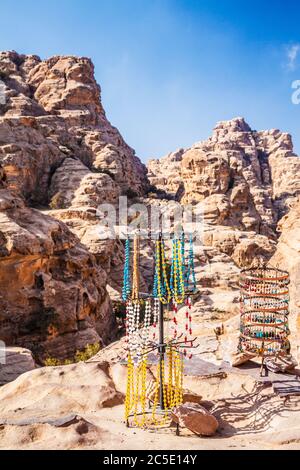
292,53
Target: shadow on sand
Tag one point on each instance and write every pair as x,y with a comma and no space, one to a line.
251,413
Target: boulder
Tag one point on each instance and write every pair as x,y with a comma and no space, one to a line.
14,361
51,393
281,364
196,418
237,359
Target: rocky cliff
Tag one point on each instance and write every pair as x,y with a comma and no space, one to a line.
245,178
59,156
288,255
246,183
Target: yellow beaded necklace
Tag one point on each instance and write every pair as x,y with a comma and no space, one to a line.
161,272
136,392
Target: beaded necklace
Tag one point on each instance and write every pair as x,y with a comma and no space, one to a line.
190,276
136,274
133,305
188,324
136,391
156,307
177,273
163,291
141,316
264,311
126,273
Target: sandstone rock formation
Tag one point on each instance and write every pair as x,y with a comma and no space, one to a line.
53,298
14,362
63,117
63,393
241,182
288,255
165,173
196,418
80,406
245,178
60,156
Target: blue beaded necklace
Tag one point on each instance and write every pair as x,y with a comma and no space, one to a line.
177,270
126,274
155,280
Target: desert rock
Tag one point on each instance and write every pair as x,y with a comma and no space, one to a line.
60,156
53,296
196,418
287,255
14,362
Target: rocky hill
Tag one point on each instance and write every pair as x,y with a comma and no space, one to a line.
246,178
58,152
247,185
60,158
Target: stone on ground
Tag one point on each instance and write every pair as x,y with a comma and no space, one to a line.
196,418
14,361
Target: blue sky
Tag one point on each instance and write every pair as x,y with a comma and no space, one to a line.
170,69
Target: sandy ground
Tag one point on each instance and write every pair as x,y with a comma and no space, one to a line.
81,406
251,417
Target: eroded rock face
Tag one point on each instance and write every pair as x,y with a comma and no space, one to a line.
14,361
240,182
53,110
53,293
287,256
165,173
58,154
243,178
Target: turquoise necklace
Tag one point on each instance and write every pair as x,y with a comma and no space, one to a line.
177,270
155,280
126,274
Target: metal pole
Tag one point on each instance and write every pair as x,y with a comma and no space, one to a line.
161,350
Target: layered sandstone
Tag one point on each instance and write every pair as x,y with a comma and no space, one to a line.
59,155
63,117
241,182
53,293
244,178
287,256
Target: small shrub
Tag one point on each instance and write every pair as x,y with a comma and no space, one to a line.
80,356
153,191
89,351
57,202
52,362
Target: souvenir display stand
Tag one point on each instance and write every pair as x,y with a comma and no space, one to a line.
148,402
264,326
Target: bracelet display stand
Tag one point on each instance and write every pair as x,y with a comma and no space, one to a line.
264,312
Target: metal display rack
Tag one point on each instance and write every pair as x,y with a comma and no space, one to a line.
163,346
264,312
